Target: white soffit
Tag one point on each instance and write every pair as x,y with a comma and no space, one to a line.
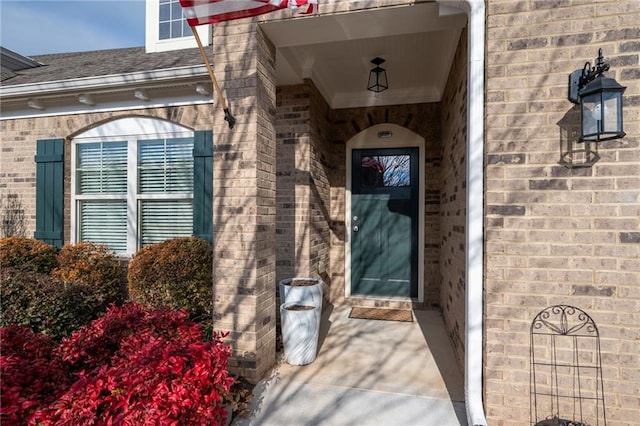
417,41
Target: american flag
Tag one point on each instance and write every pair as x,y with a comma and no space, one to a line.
200,12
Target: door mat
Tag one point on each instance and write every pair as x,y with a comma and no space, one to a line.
381,314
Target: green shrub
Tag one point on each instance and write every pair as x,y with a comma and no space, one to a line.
26,254
95,265
174,273
46,304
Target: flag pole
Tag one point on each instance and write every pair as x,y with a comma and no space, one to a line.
227,114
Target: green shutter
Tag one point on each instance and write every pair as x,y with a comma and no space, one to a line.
203,185
50,191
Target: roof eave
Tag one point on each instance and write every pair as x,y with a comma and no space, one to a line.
102,81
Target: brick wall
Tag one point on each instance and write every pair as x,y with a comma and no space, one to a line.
18,172
292,129
319,192
453,200
556,235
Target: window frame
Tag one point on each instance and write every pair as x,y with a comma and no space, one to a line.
132,130
173,6
153,43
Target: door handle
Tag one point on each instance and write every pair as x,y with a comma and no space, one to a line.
356,229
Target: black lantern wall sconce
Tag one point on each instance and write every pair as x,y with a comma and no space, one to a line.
377,77
600,100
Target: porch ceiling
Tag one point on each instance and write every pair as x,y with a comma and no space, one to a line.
417,41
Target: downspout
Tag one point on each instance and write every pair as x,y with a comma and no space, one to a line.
474,253
474,238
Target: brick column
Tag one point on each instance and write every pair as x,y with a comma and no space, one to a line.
244,198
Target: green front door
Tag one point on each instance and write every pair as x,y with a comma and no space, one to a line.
384,222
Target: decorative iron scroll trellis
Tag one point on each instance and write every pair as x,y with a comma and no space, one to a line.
566,369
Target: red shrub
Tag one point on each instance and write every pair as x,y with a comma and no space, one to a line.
138,367
31,376
154,379
96,343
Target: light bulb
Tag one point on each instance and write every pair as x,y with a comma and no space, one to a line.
596,112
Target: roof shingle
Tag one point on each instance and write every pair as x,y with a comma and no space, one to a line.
69,66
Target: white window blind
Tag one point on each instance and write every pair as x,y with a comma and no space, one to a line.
102,168
104,222
162,220
165,166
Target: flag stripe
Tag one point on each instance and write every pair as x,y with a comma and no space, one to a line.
199,12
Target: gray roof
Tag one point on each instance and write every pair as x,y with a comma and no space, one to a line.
69,66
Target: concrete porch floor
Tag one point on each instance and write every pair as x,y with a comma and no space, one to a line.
367,372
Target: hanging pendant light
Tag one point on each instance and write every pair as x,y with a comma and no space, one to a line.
377,77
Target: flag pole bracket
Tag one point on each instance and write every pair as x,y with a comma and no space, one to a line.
229,118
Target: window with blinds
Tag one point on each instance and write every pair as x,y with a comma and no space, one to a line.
162,220
102,168
165,166
135,192
104,222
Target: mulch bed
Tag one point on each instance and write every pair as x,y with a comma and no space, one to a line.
240,397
